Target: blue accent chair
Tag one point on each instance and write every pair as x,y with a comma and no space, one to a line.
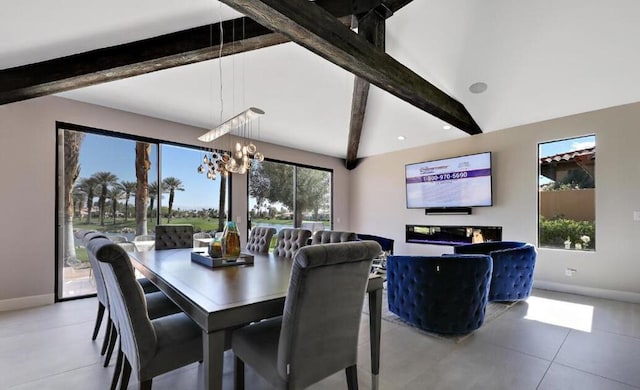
513,266
445,294
385,243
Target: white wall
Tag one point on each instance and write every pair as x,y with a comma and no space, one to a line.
378,198
28,173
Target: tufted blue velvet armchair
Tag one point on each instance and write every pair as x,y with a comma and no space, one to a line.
513,266
445,294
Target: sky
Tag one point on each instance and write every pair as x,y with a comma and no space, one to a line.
568,145
117,155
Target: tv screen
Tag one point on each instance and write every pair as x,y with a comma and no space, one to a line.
463,181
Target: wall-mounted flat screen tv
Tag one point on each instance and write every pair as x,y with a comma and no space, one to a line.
463,181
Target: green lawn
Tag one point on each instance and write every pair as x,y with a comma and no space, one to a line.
199,224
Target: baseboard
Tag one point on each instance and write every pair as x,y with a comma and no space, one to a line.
26,302
624,296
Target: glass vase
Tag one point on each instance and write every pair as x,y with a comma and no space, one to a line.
230,241
215,248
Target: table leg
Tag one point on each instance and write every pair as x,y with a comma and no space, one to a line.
213,356
375,324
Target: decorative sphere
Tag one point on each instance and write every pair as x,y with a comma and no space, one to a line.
251,149
258,156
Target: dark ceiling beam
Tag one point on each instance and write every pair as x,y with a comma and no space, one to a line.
145,56
317,30
134,58
371,27
395,5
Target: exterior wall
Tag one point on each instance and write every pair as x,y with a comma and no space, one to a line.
573,204
28,171
380,209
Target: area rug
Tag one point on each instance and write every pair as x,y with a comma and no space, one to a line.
493,311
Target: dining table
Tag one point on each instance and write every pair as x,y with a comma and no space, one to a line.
219,299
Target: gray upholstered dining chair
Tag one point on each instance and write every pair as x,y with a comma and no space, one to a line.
332,236
101,292
149,347
174,236
260,239
290,240
158,304
317,334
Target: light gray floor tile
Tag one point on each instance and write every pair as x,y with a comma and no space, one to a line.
48,352
560,377
606,354
513,331
50,348
481,366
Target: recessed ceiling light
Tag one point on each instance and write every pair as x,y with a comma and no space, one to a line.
478,87
446,127
401,138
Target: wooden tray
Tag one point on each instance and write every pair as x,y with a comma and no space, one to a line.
204,259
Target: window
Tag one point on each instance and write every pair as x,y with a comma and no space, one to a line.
566,193
287,195
101,186
188,197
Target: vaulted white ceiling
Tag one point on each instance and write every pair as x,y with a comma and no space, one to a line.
541,60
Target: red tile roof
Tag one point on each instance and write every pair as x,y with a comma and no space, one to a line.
581,155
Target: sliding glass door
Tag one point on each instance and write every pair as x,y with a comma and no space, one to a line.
288,195
123,187
102,181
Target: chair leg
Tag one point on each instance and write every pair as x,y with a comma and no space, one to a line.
98,320
352,377
238,369
146,385
107,336
118,368
126,373
112,345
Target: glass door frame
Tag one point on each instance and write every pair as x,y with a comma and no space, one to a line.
59,174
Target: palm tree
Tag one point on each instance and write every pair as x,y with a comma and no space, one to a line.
72,141
104,180
114,193
78,199
128,187
88,186
171,185
143,164
153,193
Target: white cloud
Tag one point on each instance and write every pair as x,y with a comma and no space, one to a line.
582,145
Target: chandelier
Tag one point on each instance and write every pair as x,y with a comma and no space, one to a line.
239,160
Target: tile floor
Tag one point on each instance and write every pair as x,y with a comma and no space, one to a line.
552,341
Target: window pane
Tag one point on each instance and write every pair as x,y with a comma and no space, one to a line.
567,193
271,194
98,182
313,198
189,197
